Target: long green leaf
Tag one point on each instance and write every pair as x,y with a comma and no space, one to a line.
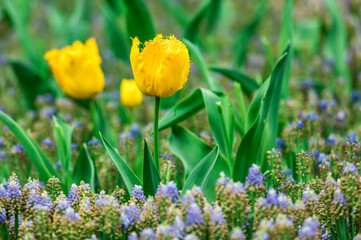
179,13
189,148
77,27
128,176
62,134
116,34
201,173
244,36
196,56
139,21
84,168
200,98
36,156
248,84
193,28
285,39
251,148
100,121
183,110
151,177
29,81
336,42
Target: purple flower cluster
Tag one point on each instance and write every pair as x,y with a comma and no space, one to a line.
194,215
168,190
309,229
3,216
138,193
255,177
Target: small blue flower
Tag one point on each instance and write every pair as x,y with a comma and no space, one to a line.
47,142
237,234
94,142
74,146
3,155
300,124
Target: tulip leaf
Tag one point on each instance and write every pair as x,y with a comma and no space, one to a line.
219,123
201,173
84,168
285,39
251,147
138,20
179,13
33,151
336,41
189,148
183,110
193,27
128,176
208,11
245,35
118,41
62,135
196,56
151,177
100,120
77,27
248,84
29,81
31,49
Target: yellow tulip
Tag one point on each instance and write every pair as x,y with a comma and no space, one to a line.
130,95
77,69
162,67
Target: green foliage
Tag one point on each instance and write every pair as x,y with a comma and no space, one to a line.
128,176
84,169
244,36
248,84
196,56
336,42
189,148
285,39
33,151
116,32
200,174
138,20
62,134
151,178
251,148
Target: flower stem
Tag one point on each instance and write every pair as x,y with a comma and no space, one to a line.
155,132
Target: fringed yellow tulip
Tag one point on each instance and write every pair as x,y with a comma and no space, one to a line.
130,95
162,67
77,69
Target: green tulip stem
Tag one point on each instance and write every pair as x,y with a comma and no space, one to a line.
155,132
